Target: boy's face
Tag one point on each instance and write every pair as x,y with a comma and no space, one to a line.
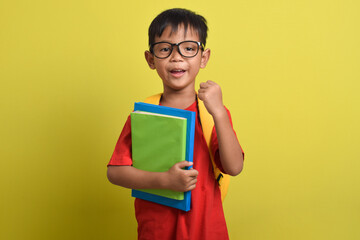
178,72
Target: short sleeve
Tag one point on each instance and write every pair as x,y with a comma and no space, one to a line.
122,154
214,145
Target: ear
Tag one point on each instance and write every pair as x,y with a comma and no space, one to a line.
205,58
150,59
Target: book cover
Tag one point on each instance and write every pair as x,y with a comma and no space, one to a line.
184,118
158,142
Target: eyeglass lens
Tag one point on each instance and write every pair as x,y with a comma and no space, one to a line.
186,49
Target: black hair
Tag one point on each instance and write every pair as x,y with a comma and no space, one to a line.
174,18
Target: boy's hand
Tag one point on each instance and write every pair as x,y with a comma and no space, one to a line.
182,180
210,94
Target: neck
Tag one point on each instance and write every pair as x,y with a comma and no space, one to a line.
178,99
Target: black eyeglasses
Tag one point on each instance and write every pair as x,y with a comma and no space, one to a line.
186,49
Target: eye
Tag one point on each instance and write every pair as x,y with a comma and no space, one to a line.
189,47
165,49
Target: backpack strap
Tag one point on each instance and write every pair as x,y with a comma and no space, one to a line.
207,124
155,99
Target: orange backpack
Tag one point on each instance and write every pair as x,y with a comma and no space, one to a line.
207,124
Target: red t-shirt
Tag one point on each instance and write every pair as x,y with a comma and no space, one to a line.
206,218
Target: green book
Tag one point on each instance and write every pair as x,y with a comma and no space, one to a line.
158,142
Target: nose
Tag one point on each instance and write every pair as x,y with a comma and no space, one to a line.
175,55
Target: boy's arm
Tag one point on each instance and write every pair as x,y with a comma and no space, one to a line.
231,156
175,178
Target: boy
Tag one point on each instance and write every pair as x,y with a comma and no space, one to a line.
177,39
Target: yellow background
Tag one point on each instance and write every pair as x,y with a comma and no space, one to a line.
71,70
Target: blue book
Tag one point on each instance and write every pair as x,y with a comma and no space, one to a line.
186,121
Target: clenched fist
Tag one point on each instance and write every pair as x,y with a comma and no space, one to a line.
210,94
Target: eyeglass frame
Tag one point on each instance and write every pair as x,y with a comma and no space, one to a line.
199,44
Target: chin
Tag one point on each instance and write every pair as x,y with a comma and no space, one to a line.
178,87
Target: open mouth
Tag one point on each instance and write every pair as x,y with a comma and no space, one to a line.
177,71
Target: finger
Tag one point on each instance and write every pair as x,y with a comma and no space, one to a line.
193,181
204,85
201,90
192,173
191,187
210,82
184,164
201,94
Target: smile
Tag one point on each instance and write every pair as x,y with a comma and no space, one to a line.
177,72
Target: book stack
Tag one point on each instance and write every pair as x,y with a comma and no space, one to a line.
161,137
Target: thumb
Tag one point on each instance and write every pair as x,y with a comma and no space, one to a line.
184,164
